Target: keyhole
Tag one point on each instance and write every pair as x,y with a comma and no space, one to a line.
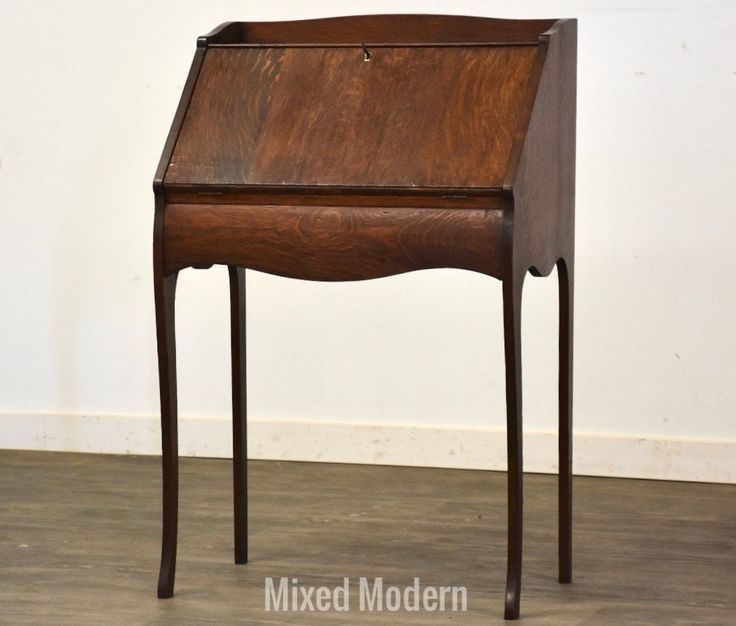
366,54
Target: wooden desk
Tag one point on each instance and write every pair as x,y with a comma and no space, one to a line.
360,147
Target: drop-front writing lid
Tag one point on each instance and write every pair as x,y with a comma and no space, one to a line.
379,116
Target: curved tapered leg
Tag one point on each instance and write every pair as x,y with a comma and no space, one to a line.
165,289
240,451
512,289
565,277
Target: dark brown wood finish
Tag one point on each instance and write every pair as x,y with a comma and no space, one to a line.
332,243
385,29
360,147
240,411
165,289
165,293
512,289
539,234
416,198
565,278
319,116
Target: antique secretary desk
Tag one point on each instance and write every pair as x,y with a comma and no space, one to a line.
359,147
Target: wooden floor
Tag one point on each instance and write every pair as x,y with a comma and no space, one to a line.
79,543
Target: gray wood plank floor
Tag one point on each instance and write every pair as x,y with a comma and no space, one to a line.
79,543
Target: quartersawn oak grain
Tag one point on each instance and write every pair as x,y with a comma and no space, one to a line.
410,117
358,147
332,243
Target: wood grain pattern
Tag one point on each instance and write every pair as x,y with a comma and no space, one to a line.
410,117
359,147
539,234
391,29
421,199
332,243
543,184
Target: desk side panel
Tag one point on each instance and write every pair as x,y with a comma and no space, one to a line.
543,186
332,243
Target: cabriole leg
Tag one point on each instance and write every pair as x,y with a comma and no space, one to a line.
565,277
512,289
165,288
240,452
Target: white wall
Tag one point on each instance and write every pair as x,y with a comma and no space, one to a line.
88,90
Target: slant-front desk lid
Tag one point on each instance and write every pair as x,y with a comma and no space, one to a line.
335,109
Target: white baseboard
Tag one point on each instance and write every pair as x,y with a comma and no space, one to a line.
595,454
